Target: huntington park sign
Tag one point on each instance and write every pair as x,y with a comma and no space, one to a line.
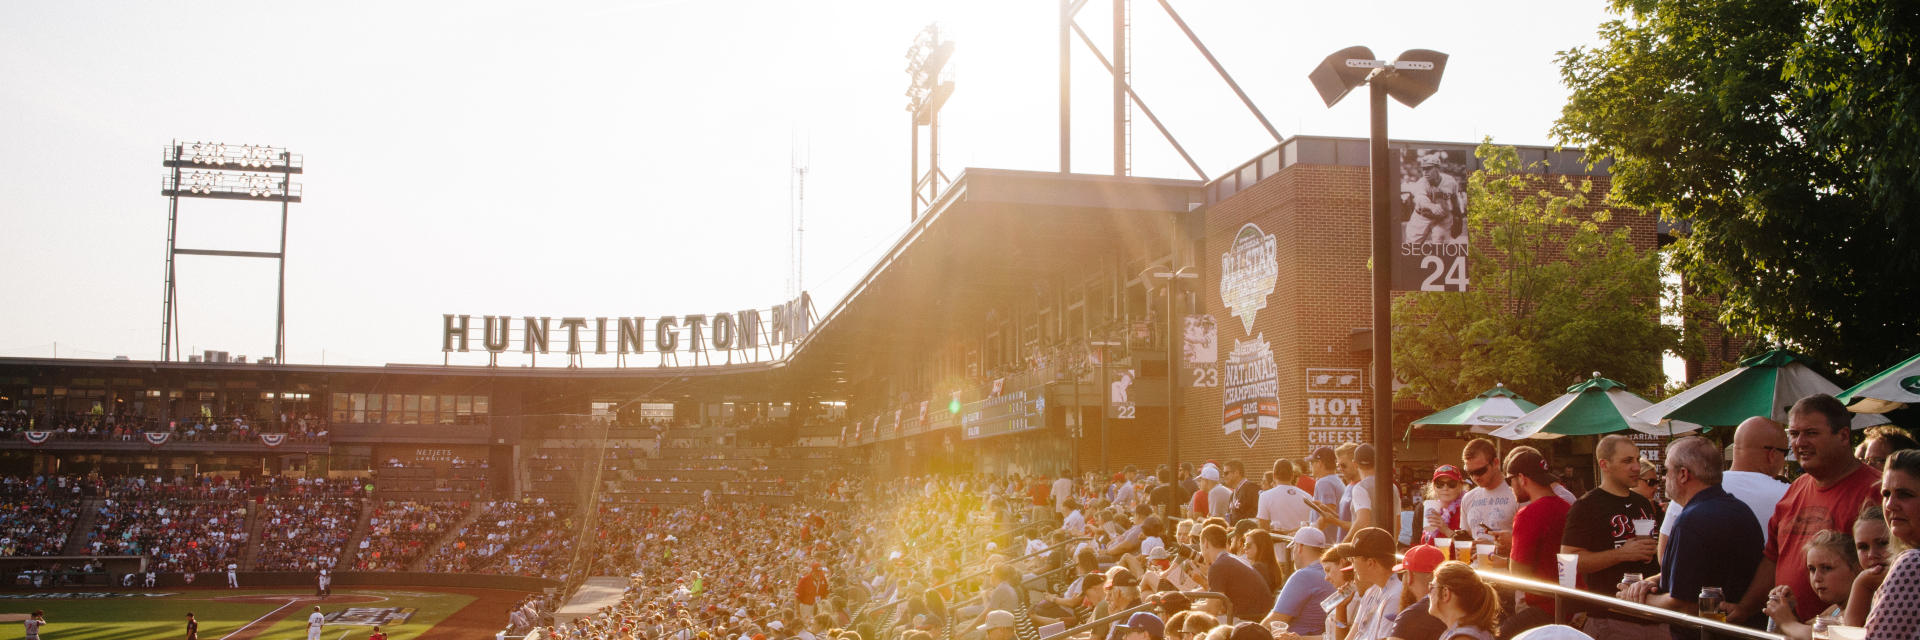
747,331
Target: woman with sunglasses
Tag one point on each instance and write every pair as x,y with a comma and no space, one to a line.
1441,510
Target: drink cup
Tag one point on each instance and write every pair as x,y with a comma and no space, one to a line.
1278,627
1463,551
1643,527
1569,569
1630,578
1481,550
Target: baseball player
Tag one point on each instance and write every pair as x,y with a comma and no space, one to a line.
1437,200
233,576
149,579
193,627
326,584
33,623
315,621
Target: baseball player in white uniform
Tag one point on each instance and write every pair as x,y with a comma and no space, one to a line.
233,576
315,621
326,583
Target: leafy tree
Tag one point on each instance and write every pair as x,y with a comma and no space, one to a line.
1784,137
1555,296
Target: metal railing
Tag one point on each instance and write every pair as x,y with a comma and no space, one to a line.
977,573
1123,614
1708,628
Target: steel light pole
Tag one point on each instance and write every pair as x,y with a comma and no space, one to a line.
1410,80
1106,399
1173,279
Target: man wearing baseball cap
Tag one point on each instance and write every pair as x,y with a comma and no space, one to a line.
1299,601
1373,551
1142,625
1538,527
1416,622
1219,499
998,626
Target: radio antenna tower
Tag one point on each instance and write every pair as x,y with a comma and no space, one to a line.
799,155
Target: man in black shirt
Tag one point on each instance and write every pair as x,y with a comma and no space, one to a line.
1246,493
1252,597
1601,530
1166,496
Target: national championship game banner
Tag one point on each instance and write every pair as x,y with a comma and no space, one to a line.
1250,395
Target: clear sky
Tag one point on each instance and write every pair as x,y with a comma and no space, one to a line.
613,158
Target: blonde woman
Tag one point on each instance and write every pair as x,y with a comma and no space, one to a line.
1465,602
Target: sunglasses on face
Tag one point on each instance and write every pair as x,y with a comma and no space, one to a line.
1445,484
1475,473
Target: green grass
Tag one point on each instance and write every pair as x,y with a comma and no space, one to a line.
165,617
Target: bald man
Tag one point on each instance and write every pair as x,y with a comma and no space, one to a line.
1759,456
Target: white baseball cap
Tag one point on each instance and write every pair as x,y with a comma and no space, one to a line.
1209,473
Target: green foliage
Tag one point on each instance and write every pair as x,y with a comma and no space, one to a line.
1554,297
1786,135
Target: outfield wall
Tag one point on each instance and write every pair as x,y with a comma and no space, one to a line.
306,580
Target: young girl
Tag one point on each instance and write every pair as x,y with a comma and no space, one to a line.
1870,542
1460,599
1831,567
1442,507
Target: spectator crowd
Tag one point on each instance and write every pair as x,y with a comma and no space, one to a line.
1220,551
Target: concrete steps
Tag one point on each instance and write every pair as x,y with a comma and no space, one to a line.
361,525
82,524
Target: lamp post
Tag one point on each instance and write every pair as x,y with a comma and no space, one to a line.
1106,399
1173,279
1411,79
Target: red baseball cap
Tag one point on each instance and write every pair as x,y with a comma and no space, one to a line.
1421,559
1447,471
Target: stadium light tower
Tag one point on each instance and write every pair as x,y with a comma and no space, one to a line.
225,172
1411,80
926,93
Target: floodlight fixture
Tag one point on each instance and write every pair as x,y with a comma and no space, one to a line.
1410,80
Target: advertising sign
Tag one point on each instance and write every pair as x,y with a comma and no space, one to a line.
1249,271
1250,395
1430,221
1336,406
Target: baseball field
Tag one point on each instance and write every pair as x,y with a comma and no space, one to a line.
404,613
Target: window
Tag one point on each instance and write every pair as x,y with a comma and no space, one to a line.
410,410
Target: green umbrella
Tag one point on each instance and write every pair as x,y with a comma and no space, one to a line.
1493,408
1596,406
1886,391
1764,385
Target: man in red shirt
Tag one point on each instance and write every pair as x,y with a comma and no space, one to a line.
1827,497
1538,526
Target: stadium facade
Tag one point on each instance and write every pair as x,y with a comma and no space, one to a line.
985,338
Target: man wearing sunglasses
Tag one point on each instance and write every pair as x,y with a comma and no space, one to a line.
1487,511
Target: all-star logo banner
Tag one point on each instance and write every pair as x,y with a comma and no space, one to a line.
157,438
273,439
1250,393
38,437
1249,270
923,412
